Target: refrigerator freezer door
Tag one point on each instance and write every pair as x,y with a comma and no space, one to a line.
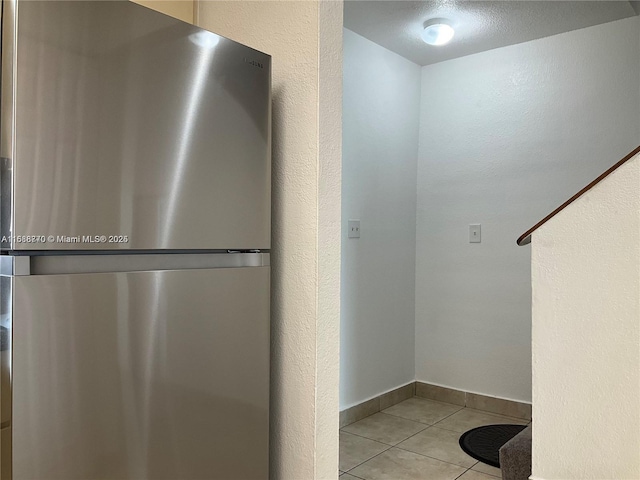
146,375
134,126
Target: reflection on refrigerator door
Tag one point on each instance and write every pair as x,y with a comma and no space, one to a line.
144,375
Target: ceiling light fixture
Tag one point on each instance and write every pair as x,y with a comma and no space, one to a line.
437,31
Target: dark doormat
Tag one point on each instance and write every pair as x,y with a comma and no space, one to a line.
483,443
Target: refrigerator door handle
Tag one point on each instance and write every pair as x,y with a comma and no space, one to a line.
144,262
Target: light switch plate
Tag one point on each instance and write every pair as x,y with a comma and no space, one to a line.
354,229
474,233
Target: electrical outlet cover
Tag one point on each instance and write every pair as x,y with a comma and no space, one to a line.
353,229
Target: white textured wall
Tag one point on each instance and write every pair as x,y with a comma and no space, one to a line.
586,335
380,148
181,9
304,39
506,136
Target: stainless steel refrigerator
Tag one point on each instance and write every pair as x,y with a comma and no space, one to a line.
135,224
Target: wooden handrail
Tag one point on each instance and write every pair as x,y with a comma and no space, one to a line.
525,238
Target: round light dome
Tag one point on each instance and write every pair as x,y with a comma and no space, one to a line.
437,33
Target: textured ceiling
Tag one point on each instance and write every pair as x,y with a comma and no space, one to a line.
479,25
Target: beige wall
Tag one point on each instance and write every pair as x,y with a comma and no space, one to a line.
586,335
305,41
180,9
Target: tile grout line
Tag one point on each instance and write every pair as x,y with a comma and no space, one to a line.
410,436
485,412
417,421
441,402
427,426
367,438
396,444
467,396
383,443
484,473
362,463
463,473
432,425
379,408
355,476
434,458
415,453
480,411
442,420
478,471
378,399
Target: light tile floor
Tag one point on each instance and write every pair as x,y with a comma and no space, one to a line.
415,440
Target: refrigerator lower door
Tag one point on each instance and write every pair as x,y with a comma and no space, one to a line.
141,375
